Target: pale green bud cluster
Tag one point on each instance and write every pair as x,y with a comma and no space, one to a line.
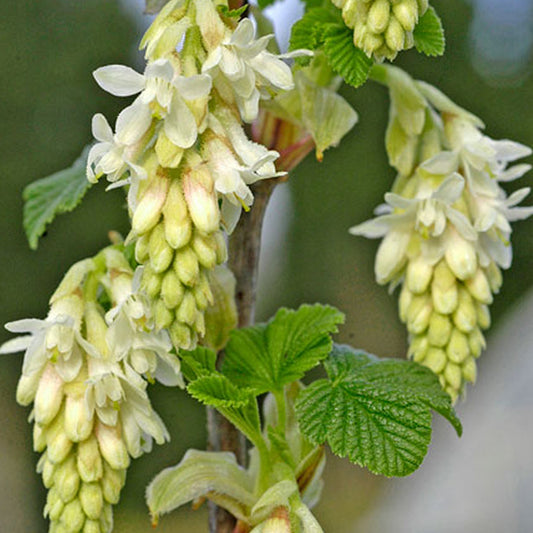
382,28
446,226
86,372
177,220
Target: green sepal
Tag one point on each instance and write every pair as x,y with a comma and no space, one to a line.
215,475
225,11
267,357
376,412
429,34
48,197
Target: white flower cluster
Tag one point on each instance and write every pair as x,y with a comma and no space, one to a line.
181,148
86,372
446,230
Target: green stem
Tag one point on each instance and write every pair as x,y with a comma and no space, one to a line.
279,395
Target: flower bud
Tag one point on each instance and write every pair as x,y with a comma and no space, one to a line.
151,282
187,310
444,290
148,210
49,396
78,425
91,500
221,248
72,517
112,484
112,446
418,276
458,349
461,258
67,479
419,314
178,227
73,279
161,254
483,316
423,6
476,341
494,277
406,297
181,336
39,438
435,360
418,348
92,526
172,290
186,266
390,257
54,505
59,445
439,331
469,370
277,522
163,316
47,471
201,199
168,154
465,316
378,16
395,35
27,388
141,249
406,12
89,461
478,287
204,247
453,376
96,328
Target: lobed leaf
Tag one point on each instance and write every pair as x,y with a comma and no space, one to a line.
375,412
269,356
429,34
48,197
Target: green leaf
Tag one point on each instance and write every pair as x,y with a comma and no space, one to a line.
197,363
231,13
429,34
269,356
265,3
154,6
48,197
375,412
215,475
237,404
345,59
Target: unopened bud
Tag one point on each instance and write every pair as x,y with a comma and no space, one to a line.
112,446
418,276
469,370
423,6
440,329
168,154
49,396
78,425
178,226
483,316
59,445
72,516
461,258
418,348
390,257
96,327
204,247
48,472
444,290
39,438
54,505
92,526
89,460
67,479
181,336
378,16
201,199
395,35
494,277
27,388
141,248
479,288
406,12
187,310
112,484
221,248
465,316
186,266
163,316
419,314
91,500
151,282
458,349
172,290
73,279
435,360
406,297
476,341
453,375
161,254
150,206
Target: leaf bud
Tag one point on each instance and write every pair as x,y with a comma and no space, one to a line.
418,275
91,500
89,460
458,349
479,288
186,266
172,290
440,329
161,254
435,360
178,227
378,16
112,446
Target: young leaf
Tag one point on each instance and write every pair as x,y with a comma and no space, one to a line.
59,193
375,412
267,357
345,59
237,404
215,475
198,362
429,34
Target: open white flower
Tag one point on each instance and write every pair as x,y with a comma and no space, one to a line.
244,63
164,94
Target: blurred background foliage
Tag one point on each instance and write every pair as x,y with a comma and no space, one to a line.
50,48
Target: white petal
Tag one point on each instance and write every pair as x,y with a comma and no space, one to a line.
132,123
119,80
230,214
193,87
231,64
243,34
514,172
443,163
375,228
25,325
517,196
461,223
274,70
450,189
510,150
101,129
180,124
161,68
18,344
519,213
213,59
248,107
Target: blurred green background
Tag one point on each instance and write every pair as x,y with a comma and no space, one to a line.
48,98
